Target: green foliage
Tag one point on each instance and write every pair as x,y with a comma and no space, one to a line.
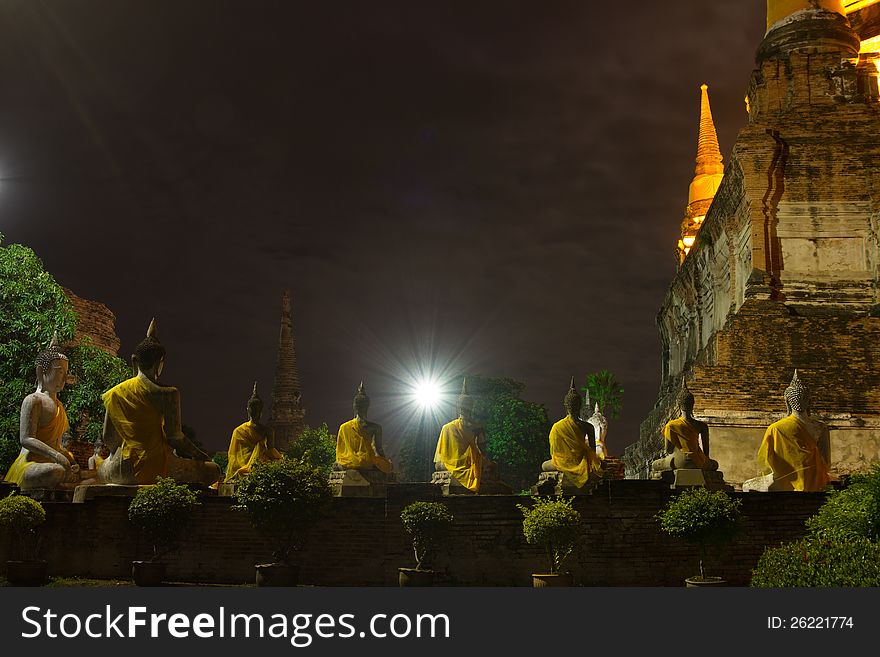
9,450
32,307
602,388
851,513
22,515
427,523
161,512
516,430
284,499
703,517
554,525
819,563
314,447
96,371
221,459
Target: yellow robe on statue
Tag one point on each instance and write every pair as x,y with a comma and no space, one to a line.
51,435
457,450
246,448
680,434
354,449
571,453
793,455
141,429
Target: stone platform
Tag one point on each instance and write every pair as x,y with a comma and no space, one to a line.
559,483
687,477
360,483
449,485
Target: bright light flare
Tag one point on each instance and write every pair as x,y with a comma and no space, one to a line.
427,394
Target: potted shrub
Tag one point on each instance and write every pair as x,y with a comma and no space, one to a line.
284,499
554,525
160,511
707,518
22,515
426,523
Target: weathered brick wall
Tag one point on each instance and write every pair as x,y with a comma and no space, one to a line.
96,322
362,543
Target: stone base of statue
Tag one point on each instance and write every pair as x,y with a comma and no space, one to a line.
449,485
226,489
49,494
360,483
87,492
687,477
559,483
759,484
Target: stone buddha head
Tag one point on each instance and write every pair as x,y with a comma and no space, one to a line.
51,368
466,405
361,402
600,422
572,401
149,355
686,402
797,397
255,406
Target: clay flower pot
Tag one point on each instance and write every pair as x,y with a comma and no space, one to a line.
26,573
544,580
277,574
148,573
415,577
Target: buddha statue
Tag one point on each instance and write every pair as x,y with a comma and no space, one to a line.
684,436
43,462
570,449
359,441
97,458
600,430
142,427
796,450
251,443
461,447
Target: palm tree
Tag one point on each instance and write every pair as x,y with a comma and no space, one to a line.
603,389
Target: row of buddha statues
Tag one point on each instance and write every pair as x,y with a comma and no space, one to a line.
142,431
795,451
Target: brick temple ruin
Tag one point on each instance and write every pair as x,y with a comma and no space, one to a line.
780,267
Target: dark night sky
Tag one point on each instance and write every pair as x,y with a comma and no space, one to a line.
494,185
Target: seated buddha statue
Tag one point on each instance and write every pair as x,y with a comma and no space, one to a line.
43,462
359,441
142,427
600,430
570,449
796,450
686,440
251,443
97,458
461,447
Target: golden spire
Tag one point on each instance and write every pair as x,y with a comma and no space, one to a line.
707,177
708,153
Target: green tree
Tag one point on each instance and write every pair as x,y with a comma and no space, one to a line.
222,460
32,307
602,388
516,430
315,447
410,457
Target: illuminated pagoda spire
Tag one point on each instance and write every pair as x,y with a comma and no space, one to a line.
287,412
707,177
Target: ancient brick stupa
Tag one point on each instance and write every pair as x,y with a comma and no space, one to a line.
784,271
287,412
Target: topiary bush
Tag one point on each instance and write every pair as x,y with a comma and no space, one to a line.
161,512
553,524
819,562
851,513
702,517
426,523
22,515
284,499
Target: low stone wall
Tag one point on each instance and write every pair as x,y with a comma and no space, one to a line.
361,541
